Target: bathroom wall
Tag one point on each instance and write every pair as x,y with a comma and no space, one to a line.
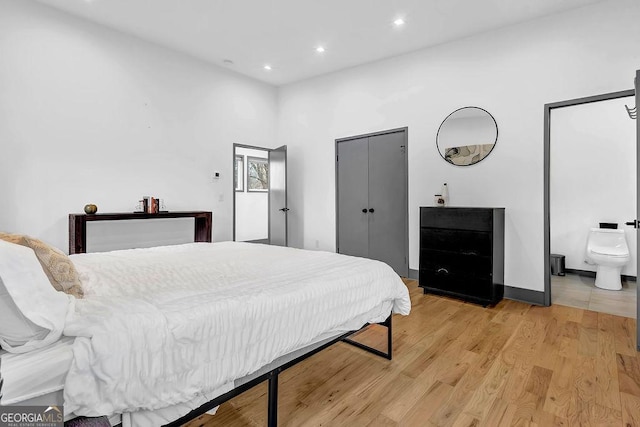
252,208
592,176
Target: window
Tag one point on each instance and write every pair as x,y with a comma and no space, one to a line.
238,173
257,174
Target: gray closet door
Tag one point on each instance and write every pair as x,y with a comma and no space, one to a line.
278,209
353,198
388,200
372,198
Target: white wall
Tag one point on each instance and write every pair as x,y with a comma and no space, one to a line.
592,176
511,73
90,115
252,208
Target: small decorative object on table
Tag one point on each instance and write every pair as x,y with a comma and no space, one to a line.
90,209
445,194
442,199
150,204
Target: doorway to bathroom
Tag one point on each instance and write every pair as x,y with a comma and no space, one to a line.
590,172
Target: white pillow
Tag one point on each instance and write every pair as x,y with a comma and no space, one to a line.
32,313
13,325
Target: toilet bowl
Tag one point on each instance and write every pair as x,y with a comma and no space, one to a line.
608,250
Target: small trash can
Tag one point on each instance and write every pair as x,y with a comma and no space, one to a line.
557,264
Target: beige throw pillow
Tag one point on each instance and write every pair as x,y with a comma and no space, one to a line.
56,264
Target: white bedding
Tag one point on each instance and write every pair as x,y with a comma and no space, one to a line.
161,326
36,373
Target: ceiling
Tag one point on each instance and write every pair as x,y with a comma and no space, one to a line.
285,33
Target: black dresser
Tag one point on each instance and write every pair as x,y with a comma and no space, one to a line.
462,253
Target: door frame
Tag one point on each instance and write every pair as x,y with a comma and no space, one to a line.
404,130
636,82
233,187
547,159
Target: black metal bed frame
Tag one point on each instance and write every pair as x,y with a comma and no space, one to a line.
1,381
272,377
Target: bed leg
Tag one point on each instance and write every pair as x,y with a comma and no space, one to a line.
272,415
387,323
388,354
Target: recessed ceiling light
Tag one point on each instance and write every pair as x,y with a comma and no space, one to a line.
398,22
267,67
320,49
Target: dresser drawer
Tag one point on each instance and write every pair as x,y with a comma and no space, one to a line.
477,219
457,285
461,241
460,265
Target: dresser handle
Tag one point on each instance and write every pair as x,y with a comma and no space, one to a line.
443,270
469,253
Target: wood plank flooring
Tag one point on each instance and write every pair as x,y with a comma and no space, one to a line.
458,364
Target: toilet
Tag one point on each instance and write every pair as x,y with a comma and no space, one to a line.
607,249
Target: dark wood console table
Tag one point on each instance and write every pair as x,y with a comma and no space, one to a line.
78,225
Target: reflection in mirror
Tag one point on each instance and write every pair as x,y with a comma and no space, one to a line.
467,136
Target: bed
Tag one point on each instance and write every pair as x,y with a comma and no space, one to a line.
36,377
168,333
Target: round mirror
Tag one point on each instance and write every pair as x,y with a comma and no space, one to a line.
467,136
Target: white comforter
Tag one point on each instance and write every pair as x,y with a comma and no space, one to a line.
161,326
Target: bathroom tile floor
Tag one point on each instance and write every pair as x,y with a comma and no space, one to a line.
580,292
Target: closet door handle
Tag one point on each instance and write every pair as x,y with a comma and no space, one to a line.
364,210
370,210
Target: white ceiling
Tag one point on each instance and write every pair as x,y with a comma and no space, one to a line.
285,33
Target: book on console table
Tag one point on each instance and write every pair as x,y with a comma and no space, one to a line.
150,205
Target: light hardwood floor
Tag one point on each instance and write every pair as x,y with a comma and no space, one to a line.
458,364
